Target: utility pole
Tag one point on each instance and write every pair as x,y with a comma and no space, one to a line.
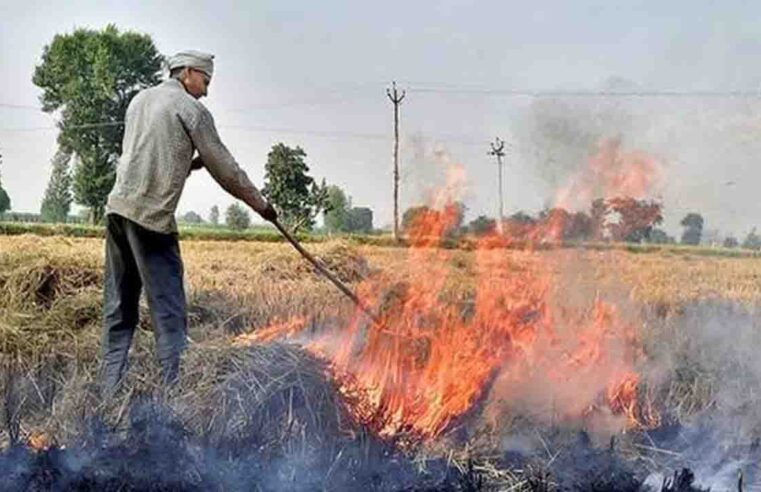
498,150
396,98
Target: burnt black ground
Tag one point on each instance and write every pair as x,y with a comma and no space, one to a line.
156,454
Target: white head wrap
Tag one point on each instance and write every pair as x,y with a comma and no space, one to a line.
193,59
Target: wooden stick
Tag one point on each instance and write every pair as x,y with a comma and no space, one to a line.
327,273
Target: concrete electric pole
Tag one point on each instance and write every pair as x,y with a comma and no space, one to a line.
498,150
396,98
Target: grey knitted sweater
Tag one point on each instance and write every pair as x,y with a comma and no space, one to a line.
164,127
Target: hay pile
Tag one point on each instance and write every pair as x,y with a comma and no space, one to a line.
50,298
34,274
275,396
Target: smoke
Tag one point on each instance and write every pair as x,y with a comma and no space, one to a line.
706,145
432,176
702,358
558,135
711,349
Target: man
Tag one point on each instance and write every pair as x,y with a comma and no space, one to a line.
164,126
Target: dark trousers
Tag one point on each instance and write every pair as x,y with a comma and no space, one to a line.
135,258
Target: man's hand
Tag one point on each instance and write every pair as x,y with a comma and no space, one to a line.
196,163
269,214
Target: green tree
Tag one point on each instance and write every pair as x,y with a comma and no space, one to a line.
520,226
625,218
57,200
693,228
237,218
5,200
290,189
482,225
191,218
752,240
522,217
359,219
90,77
413,214
659,236
580,227
598,213
457,209
425,220
336,210
731,242
214,215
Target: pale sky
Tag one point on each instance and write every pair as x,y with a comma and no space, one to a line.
314,74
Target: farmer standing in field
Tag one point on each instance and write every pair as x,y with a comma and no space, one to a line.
164,126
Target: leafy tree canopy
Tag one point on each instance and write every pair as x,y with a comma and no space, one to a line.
424,221
91,76
288,186
191,218
360,219
336,210
731,242
632,220
482,225
659,236
693,228
57,200
237,218
214,215
752,240
5,200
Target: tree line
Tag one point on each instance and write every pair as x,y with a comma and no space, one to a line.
298,198
617,219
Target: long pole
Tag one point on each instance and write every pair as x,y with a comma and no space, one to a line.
327,273
396,98
501,196
498,150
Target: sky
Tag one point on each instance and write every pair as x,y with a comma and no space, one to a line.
314,74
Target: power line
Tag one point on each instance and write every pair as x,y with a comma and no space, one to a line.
71,127
581,93
321,133
312,101
318,133
434,88
20,106
448,138
460,139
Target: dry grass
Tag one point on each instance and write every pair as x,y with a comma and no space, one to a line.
50,301
50,311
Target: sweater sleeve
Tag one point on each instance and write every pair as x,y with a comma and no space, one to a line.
221,164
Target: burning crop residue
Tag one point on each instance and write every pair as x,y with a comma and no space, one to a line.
612,171
516,368
513,342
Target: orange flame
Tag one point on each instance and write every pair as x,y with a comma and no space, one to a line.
40,441
612,172
438,351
